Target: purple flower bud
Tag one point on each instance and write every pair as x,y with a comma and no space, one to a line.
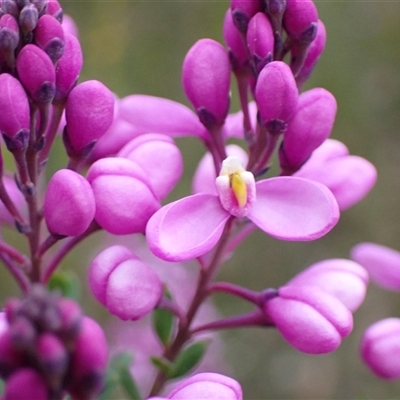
128,287
382,263
26,383
308,128
238,53
380,348
49,36
40,4
167,166
206,81
124,198
54,9
11,358
71,318
69,205
88,361
69,25
53,358
301,20
36,72
314,51
243,11
16,197
89,113
14,106
276,96
10,7
28,18
260,40
68,67
309,319
9,33
341,278
207,385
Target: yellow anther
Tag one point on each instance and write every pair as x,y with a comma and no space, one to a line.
239,188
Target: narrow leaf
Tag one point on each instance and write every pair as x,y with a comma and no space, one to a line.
129,384
189,358
163,321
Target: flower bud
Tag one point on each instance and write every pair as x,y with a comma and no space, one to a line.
49,36
301,20
341,278
69,205
243,11
70,26
167,166
28,18
10,7
206,81
37,74
207,385
314,52
380,348
276,96
308,128
11,358
71,318
124,198
26,383
382,263
54,9
9,33
88,361
68,67
128,287
238,53
89,113
309,319
53,358
260,40
16,197
15,114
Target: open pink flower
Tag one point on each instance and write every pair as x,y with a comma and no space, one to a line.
286,208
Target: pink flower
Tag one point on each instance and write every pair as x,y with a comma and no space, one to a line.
349,177
287,208
341,278
382,263
124,284
206,385
380,348
309,319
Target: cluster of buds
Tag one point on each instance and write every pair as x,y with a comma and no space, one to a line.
50,347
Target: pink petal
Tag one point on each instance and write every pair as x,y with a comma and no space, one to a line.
291,208
186,228
382,263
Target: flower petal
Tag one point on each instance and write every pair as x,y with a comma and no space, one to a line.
186,228
291,208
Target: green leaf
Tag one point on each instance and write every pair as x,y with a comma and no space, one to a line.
163,322
162,364
189,358
129,384
113,377
67,282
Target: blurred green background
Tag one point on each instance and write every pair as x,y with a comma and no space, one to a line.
138,47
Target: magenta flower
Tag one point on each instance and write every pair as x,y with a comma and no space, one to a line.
69,205
17,384
349,177
380,348
309,127
382,263
309,319
124,284
207,385
124,198
206,81
341,278
284,207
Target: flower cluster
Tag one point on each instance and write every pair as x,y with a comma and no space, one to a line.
123,163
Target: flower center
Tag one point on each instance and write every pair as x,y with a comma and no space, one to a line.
236,187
